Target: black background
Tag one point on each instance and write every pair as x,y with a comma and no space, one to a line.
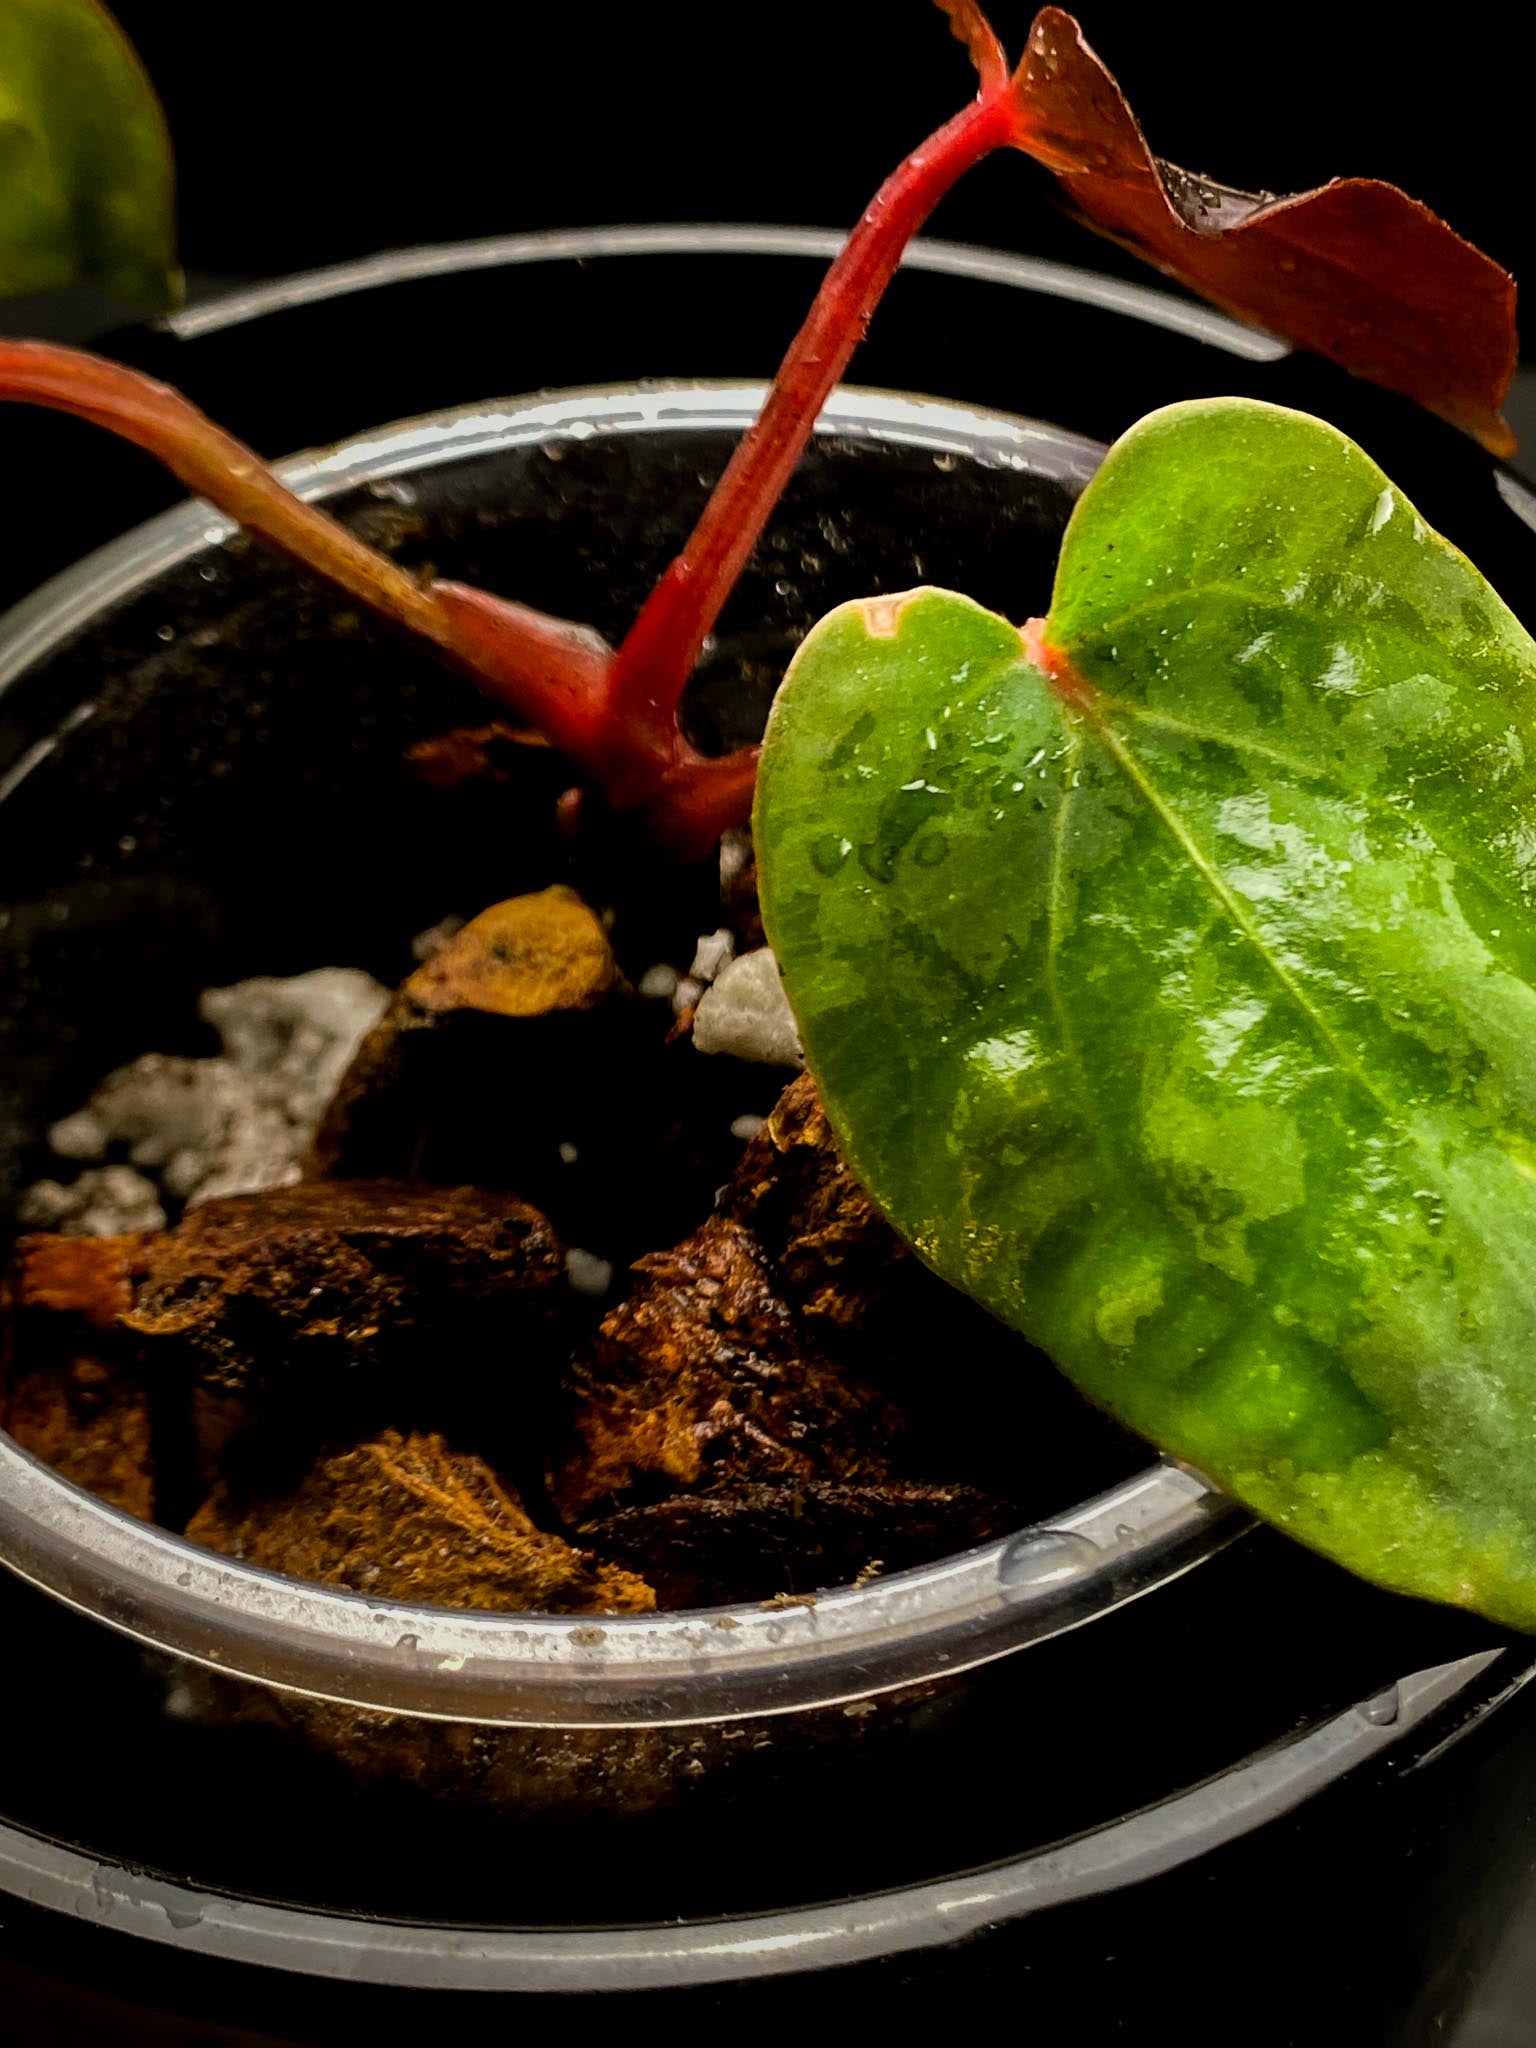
312,130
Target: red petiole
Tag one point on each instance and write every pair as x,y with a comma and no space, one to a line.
1449,341
613,713
652,667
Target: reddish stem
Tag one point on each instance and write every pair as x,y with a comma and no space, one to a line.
549,671
214,465
614,714
660,650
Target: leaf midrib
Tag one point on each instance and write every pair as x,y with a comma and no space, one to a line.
1091,711
1134,773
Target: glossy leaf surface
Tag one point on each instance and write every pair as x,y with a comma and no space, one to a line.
1171,980
86,184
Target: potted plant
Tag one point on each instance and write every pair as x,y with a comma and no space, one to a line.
576,467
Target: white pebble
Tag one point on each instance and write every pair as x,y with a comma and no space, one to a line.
659,981
747,1014
569,1153
587,1273
293,1038
735,857
230,1125
686,994
747,1127
105,1201
81,1136
714,951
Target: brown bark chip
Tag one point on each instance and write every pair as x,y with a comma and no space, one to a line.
256,1290
70,1397
717,1370
406,1518
538,956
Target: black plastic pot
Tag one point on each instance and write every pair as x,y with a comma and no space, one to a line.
201,779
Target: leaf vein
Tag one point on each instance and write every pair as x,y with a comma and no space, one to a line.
1136,775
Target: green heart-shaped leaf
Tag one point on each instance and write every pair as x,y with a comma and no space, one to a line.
1180,1003
86,181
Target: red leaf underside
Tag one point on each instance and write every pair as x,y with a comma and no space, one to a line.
1356,270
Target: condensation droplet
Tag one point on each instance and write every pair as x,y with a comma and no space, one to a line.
1382,1710
1045,1557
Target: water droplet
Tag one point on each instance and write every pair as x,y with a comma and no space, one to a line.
1045,1557
946,462
829,853
1381,1711
165,633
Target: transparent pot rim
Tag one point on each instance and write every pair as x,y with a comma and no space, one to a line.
1409,1716
539,1670
964,260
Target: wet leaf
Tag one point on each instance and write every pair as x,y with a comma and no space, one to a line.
1171,980
1355,270
86,179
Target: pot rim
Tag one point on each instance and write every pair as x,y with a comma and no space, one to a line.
675,1668
1042,275
357,1948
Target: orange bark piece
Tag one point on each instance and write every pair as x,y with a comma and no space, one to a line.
523,958
407,1518
68,1397
90,1277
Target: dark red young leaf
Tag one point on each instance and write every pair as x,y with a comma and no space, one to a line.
1356,270
970,26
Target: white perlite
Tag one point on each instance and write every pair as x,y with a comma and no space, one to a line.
746,1013
587,1273
712,955
659,982
230,1125
198,1126
105,1201
293,1038
735,858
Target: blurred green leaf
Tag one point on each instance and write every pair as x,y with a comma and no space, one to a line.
86,176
